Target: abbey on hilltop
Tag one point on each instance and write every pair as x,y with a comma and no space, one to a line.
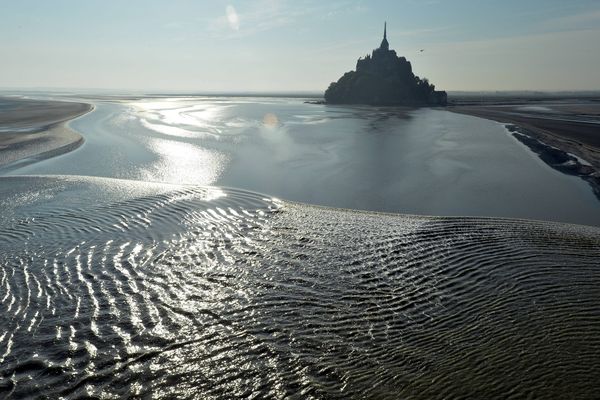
383,78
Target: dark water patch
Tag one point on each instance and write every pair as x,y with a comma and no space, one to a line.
111,288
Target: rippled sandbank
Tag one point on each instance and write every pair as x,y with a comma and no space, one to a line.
33,130
114,288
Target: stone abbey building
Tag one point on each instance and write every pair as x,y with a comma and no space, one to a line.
383,78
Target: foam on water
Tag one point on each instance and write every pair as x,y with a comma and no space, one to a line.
114,288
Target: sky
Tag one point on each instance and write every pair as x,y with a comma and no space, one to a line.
287,45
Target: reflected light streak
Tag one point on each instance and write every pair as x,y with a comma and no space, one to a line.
184,163
175,131
181,119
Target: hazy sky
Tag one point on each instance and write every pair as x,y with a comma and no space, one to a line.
281,45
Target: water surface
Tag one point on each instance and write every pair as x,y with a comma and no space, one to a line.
156,285
424,161
116,289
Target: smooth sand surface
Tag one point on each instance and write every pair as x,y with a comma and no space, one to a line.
35,129
574,128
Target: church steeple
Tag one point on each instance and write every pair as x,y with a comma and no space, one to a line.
384,43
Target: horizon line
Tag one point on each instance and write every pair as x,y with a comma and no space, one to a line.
299,93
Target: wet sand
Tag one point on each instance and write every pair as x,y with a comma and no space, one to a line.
572,127
555,130
31,130
120,288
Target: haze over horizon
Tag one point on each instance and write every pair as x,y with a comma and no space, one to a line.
278,45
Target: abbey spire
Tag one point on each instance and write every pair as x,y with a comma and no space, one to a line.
384,43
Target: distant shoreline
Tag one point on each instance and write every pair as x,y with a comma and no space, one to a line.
33,130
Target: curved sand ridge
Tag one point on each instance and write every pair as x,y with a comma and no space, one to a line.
31,130
114,288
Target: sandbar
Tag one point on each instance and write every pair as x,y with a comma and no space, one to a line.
573,127
31,130
565,134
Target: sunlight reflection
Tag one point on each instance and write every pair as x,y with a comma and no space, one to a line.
175,131
214,193
194,115
184,163
182,118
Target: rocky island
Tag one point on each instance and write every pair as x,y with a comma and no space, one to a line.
383,78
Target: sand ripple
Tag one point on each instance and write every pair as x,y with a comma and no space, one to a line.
138,289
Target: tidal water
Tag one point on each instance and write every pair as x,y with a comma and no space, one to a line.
427,161
132,268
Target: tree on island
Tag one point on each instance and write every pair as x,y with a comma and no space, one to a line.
383,78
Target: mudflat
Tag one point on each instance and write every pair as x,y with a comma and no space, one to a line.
565,133
570,125
35,129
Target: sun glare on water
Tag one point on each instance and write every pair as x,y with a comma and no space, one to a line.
184,163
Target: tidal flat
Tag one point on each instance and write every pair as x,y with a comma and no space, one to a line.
31,130
220,247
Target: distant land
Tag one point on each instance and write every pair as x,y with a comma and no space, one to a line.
383,78
312,94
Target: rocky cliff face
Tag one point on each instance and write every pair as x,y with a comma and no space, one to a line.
383,78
